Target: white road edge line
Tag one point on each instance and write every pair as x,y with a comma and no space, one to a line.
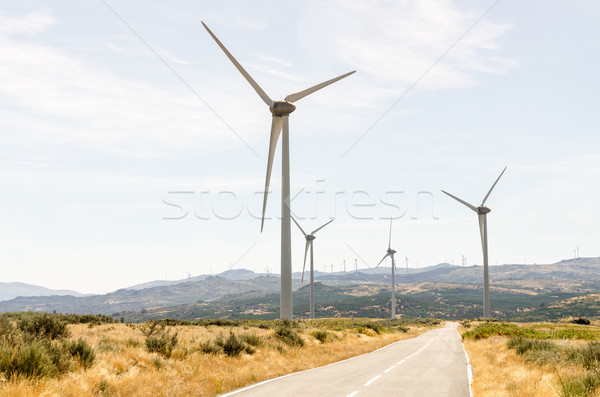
469,366
233,392
372,380
389,369
354,393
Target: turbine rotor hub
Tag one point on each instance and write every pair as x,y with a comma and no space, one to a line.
482,210
391,251
310,237
282,108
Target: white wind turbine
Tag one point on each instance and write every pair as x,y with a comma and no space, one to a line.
482,211
280,111
390,253
309,243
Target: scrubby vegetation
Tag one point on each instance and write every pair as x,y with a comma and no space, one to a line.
487,329
535,359
37,345
54,354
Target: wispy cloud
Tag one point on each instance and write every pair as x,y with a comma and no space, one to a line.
56,97
28,25
394,42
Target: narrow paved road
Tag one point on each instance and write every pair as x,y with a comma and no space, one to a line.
432,364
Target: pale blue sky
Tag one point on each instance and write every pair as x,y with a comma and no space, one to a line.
96,132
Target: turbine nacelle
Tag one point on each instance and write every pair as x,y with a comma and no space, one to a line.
391,251
310,237
282,108
482,210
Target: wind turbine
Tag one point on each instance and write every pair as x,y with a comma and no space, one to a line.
280,111
390,253
309,243
482,211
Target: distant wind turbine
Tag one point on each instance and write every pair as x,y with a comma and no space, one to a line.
309,244
390,253
280,111
482,211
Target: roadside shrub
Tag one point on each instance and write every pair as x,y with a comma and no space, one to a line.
8,333
487,329
251,339
541,352
573,333
586,385
82,352
162,345
522,345
321,336
44,326
103,388
589,356
375,327
232,346
289,336
60,356
152,328
27,360
209,347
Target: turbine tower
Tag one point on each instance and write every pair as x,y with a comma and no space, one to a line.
280,111
482,211
390,253
309,244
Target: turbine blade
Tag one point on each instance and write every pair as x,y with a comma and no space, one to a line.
299,95
461,201
492,188
314,231
275,131
239,67
304,265
302,230
390,242
386,255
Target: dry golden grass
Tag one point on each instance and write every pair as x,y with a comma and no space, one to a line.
124,368
500,371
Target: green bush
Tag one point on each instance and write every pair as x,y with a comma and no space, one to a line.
289,336
103,388
210,348
152,328
44,326
82,352
162,345
60,356
251,339
522,345
572,333
9,335
583,386
589,356
321,336
28,360
232,346
487,329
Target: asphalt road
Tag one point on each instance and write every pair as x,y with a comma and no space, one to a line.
432,364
